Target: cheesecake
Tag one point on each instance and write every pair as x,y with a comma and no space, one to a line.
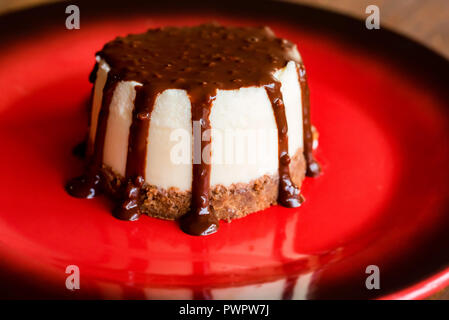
198,124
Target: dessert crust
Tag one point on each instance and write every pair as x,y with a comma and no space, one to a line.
228,202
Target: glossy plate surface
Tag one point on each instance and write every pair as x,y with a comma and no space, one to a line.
381,108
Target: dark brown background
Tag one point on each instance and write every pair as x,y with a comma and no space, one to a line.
425,21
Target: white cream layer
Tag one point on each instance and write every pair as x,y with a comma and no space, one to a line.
246,111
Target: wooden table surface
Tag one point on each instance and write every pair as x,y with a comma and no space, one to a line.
425,21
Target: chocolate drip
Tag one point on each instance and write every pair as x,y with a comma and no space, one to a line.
86,186
137,153
200,221
89,185
129,208
313,168
289,195
199,60
138,133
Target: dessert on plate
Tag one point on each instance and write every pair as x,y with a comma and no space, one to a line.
198,124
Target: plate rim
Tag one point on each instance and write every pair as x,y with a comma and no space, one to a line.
423,288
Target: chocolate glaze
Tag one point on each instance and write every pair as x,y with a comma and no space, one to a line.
313,168
128,209
137,154
200,60
289,195
200,220
89,185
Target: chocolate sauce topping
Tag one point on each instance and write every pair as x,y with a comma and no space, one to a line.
89,185
289,195
313,168
137,154
200,60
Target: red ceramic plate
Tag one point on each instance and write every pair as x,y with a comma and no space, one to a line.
380,104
